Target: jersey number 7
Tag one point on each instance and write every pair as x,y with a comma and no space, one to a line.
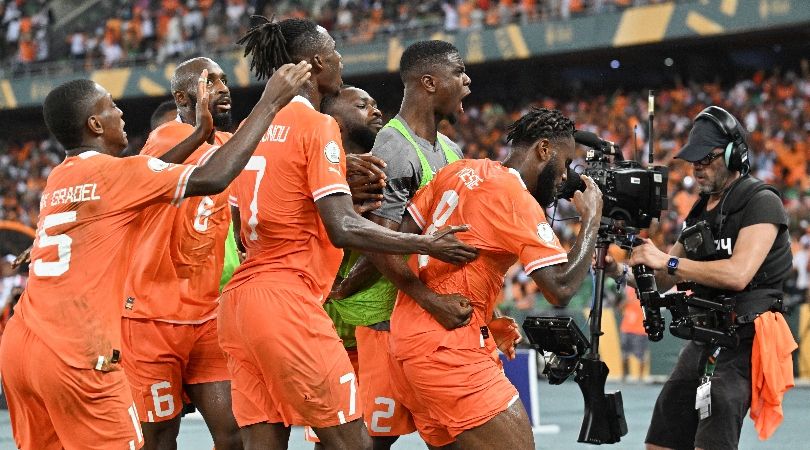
258,164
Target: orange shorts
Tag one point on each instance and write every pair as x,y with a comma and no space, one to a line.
55,406
159,358
309,433
384,416
452,390
287,363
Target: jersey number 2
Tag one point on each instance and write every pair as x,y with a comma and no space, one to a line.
61,241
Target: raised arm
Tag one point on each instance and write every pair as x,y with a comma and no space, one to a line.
215,175
202,132
560,282
734,274
348,229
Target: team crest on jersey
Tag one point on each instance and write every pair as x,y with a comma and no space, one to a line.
332,152
545,233
156,165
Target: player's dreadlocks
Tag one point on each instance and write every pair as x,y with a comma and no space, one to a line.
273,44
540,123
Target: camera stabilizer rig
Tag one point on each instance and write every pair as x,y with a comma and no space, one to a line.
632,196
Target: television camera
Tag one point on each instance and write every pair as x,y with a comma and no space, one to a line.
632,196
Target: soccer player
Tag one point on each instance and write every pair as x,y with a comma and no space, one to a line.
413,150
60,355
165,112
359,120
169,330
287,364
452,380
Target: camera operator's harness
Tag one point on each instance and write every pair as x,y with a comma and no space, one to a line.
699,244
711,316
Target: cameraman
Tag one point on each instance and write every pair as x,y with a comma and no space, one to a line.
736,208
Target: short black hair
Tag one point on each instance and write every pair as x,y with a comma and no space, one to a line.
273,44
329,100
540,123
160,111
66,109
421,56
184,78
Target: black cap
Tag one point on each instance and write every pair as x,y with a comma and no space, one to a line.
704,137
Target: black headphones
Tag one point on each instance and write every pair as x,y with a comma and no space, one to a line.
736,155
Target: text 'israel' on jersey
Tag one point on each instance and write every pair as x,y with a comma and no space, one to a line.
82,252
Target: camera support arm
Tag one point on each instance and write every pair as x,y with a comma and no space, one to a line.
595,328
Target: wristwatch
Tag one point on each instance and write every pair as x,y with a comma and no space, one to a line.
672,265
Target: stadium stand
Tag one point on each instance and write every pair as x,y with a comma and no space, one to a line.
120,33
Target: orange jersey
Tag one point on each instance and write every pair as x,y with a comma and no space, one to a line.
298,161
506,224
179,257
83,249
632,316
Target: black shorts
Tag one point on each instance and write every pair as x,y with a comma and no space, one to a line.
675,422
634,344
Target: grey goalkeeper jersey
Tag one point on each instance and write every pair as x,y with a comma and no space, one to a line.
404,170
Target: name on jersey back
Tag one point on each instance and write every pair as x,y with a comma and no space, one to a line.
276,133
73,194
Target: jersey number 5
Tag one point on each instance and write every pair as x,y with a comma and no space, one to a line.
61,241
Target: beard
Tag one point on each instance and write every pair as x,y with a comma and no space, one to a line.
546,191
222,120
363,136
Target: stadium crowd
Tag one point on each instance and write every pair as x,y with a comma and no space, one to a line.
775,108
147,30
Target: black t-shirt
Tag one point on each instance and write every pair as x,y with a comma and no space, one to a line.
764,207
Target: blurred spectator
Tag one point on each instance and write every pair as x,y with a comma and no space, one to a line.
142,30
10,281
634,342
78,45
